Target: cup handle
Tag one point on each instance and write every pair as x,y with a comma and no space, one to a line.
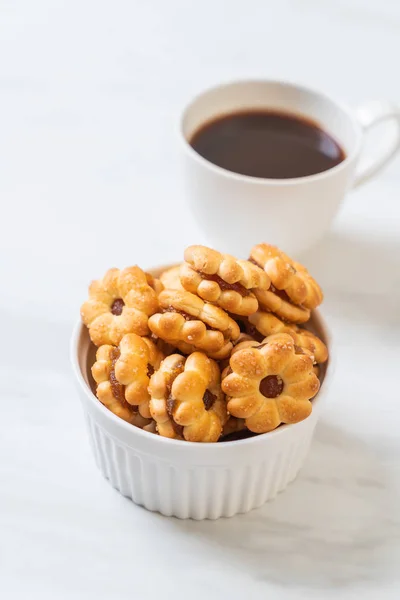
369,115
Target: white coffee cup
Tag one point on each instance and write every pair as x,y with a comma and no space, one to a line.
235,210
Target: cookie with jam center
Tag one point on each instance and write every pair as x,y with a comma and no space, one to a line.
189,323
187,402
267,324
289,278
222,279
120,303
270,383
122,374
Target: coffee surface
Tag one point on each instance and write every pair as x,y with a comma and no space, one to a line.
267,144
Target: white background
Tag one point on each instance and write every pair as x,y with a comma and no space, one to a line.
90,97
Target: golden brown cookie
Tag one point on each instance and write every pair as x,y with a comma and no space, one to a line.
288,276
222,279
154,283
186,398
160,392
221,354
272,300
267,324
120,303
123,373
188,323
170,278
270,383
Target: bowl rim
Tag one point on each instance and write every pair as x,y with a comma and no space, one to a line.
136,432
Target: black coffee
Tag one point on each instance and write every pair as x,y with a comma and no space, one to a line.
267,144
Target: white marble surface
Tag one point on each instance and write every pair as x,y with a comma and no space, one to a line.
90,93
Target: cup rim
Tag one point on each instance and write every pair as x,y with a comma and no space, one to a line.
265,180
136,431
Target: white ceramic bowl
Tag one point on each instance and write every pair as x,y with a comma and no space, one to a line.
193,480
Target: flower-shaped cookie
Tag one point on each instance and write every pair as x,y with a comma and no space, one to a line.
288,276
170,278
154,283
270,383
123,373
267,324
190,324
186,398
317,370
222,279
120,303
277,302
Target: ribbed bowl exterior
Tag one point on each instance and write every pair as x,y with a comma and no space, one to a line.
195,491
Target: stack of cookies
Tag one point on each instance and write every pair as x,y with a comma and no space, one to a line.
213,348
